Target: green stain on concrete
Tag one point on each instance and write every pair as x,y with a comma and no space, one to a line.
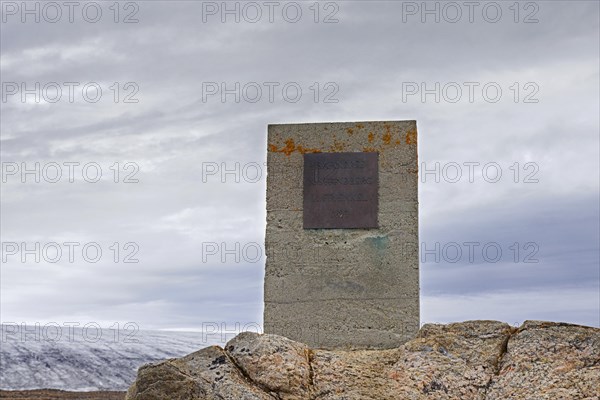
379,243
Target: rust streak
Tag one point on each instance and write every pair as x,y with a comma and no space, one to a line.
411,137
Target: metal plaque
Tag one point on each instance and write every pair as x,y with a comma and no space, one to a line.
341,190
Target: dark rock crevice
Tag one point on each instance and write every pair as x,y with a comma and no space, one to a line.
311,374
247,377
504,351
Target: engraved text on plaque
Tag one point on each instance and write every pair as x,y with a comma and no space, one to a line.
341,190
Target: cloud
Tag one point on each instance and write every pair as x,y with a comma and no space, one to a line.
170,135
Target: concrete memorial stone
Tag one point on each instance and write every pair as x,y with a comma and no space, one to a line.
342,267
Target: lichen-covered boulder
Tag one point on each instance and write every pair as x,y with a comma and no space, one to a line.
478,360
547,360
206,374
275,363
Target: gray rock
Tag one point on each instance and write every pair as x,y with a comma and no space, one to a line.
479,360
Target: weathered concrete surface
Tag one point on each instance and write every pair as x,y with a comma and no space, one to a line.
343,288
475,360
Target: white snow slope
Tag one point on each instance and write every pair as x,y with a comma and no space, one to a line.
79,359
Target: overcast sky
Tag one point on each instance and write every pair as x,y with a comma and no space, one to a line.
517,92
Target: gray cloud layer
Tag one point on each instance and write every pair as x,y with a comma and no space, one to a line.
371,55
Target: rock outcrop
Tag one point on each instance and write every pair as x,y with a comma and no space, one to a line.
484,360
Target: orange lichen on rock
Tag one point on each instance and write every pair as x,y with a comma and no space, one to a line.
303,150
350,131
360,126
290,147
338,146
371,137
387,138
411,137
